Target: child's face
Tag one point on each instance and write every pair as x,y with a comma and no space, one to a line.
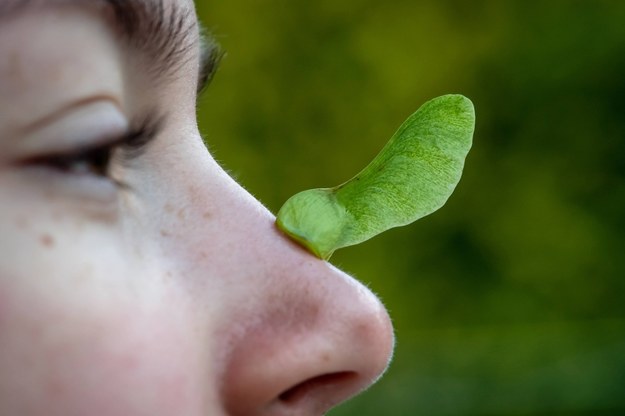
140,279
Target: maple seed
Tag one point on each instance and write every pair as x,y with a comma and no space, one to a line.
411,177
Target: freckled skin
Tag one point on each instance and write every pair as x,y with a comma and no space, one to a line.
47,240
174,295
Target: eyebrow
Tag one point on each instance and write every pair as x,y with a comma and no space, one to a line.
163,34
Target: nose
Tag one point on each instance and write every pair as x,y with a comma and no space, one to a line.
316,342
301,336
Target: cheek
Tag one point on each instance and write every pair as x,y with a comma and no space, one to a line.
78,356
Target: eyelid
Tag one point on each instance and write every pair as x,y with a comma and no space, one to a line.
100,160
87,126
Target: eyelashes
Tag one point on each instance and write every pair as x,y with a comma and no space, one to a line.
98,160
143,132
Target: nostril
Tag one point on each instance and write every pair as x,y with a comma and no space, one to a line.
319,386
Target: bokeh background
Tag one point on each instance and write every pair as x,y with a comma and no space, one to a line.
511,299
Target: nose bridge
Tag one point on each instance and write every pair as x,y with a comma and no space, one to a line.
301,335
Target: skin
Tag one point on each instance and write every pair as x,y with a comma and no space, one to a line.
173,294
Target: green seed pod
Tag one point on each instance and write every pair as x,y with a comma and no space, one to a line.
413,176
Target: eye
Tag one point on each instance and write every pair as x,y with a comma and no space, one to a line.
97,160
94,161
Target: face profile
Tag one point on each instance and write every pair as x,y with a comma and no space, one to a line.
136,276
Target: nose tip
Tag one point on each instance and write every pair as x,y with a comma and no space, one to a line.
321,339
341,363
350,351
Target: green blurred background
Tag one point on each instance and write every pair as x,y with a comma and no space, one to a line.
510,300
